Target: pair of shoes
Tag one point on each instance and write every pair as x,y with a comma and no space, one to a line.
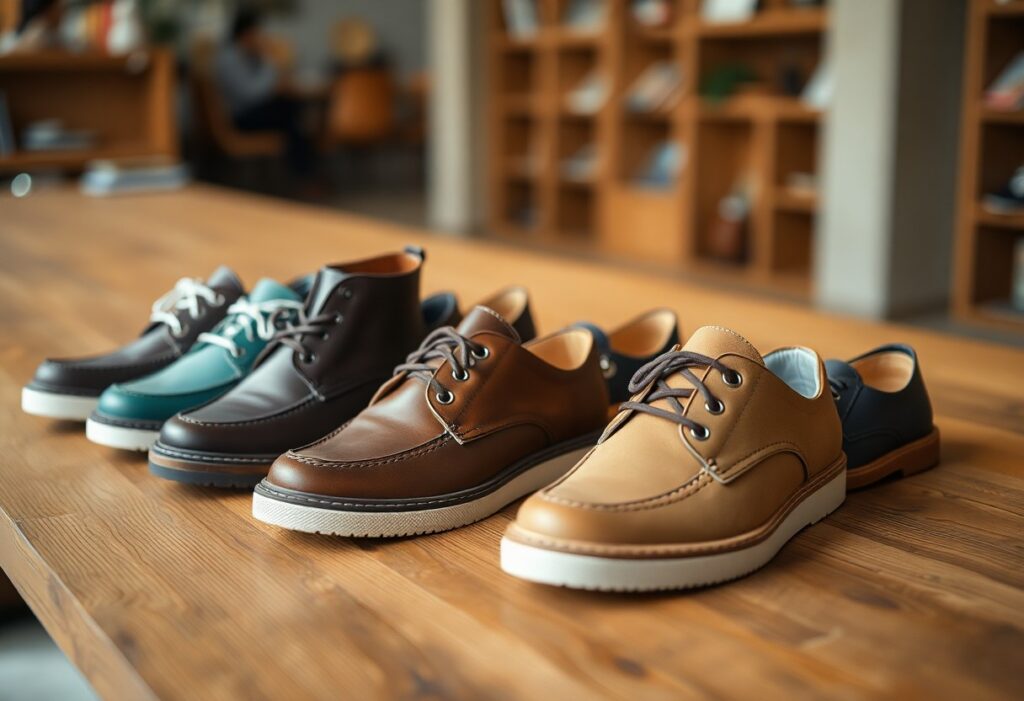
719,459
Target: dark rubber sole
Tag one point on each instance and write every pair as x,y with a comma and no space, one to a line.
224,480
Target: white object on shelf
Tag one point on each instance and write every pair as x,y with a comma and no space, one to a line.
725,11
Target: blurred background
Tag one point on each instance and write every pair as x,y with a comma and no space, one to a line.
862,156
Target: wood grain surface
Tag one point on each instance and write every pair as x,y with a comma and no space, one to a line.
158,590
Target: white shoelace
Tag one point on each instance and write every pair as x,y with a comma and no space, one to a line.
185,296
253,319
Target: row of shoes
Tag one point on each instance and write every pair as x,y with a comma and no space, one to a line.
357,409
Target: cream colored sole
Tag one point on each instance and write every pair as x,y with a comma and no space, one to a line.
67,407
638,574
377,524
120,436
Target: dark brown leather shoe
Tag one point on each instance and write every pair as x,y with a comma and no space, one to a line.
359,320
471,421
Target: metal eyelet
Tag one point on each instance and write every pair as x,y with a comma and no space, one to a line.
717,408
608,368
338,317
702,435
461,377
308,358
445,397
324,336
219,300
347,293
481,355
732,379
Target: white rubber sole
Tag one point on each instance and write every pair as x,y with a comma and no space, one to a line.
119,436
67,407
637,574
375,524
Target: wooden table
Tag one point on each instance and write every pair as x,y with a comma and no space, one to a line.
156,589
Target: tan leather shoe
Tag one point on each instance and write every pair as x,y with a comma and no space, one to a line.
716,462
471,422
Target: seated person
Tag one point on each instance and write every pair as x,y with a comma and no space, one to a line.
256,90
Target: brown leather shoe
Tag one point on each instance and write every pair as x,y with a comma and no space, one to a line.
359,320
471,421
716,462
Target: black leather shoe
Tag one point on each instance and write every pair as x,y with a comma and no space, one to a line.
886,414
70,388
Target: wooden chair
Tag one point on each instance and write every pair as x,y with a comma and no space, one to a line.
361,109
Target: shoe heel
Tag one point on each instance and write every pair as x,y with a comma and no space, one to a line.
923,456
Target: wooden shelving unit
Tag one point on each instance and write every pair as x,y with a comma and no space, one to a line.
992,147
758,136
127,101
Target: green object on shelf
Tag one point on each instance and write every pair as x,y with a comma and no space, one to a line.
724,81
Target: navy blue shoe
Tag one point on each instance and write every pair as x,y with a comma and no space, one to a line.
625,349
886,414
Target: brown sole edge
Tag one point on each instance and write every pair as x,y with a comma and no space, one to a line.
921,455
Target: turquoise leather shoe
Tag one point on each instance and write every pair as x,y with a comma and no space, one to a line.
129,415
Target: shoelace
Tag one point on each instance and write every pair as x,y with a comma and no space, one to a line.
656,371
293,333
443,344
184,297
253,319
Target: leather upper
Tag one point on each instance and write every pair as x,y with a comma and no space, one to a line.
652,482
207,370
373,318
882,402
157,347
518,400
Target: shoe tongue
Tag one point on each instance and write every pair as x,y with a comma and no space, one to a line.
268,290
482,318
326,280
225,278
716,341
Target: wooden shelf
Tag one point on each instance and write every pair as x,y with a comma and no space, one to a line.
990,150
791,200
126,102
741,139
778,22
992,116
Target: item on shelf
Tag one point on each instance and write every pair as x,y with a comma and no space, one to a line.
663,165
109,177
817,93
1006,93
52,135
806,3
589,94
627,348
725,81
360,320
657,88
729,456
727,11
585,16
452,438
581,166
652,13
801,184
727,238
70,388
7,143
1017,293
886,414
1009,200
791,79
129,414
520,18
125,33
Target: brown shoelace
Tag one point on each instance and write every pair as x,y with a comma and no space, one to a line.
443,344
296,329
667,364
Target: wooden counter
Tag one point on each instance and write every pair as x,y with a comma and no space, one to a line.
154,589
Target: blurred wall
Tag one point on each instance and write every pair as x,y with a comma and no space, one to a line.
400,26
